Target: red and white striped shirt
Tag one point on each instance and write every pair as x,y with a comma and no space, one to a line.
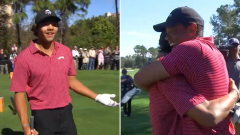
204,68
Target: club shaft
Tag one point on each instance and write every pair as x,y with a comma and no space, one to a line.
32,122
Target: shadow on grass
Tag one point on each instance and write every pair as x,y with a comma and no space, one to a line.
8,131
139,122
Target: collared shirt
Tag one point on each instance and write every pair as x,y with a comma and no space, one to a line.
169,101
92,53
100,55
75,53
44,78
205,70
233,69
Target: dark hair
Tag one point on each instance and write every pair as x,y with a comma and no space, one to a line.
200,29
164,46
124,71
34,30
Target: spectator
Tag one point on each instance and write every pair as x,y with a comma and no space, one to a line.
126,86
12,62
85,60
80,59
149,56
233,60
75,55
92,56
100,58
3,62
107,59
14,48
14,54
115,55
96,59
224,50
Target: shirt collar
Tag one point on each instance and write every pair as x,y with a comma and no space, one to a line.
33,49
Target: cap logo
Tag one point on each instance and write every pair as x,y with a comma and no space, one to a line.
48,12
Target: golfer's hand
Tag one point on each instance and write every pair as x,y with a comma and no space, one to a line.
28,131
105,99
232,86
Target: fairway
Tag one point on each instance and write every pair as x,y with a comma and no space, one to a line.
139,122
91,118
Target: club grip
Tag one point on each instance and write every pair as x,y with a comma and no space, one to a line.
32,122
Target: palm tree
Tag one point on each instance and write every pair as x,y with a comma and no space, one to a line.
65,8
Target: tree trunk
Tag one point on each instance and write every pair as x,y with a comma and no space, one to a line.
117,22
18,37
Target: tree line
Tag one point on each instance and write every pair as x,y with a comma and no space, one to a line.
226,25
84,32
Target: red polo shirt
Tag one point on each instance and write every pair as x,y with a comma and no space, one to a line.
205,70
44,78
169,101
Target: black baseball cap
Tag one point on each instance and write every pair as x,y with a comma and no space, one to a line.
44,14
180,15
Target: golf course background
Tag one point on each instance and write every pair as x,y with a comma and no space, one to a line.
139,122
91,118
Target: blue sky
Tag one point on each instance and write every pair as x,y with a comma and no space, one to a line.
96,8
139,16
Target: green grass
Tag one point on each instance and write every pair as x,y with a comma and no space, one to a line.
139,122
91,118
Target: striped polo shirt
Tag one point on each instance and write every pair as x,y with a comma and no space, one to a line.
204,70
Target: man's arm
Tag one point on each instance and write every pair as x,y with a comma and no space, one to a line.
150,74
188,102
79,88
21,108
210,113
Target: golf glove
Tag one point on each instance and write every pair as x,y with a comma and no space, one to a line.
105,99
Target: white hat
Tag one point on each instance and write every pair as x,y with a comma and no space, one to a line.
85,49
80,48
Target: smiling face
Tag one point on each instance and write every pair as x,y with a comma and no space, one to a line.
180,33
47,30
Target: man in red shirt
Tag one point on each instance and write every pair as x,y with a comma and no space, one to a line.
166,104
203,66
45,71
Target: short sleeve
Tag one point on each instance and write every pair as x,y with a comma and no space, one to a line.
71,70
180,94
173,63
20,76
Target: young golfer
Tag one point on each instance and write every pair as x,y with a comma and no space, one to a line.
45,72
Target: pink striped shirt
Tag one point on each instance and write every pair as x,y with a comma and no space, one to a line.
204,70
